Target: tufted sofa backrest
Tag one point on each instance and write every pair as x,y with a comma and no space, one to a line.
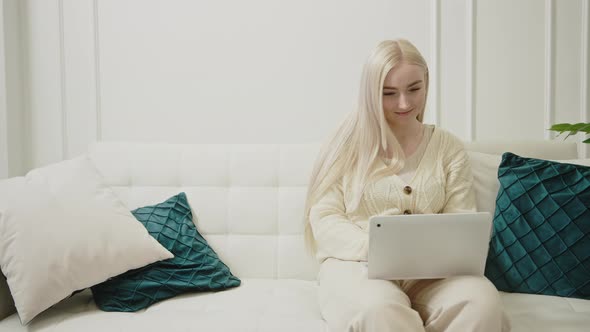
247,200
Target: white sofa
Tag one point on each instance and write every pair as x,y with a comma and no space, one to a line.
248,201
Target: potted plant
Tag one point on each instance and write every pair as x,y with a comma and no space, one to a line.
572,129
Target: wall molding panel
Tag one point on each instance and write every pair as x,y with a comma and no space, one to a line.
62,65
434,66
98,126
3,104
470,69
585,81
549,66
43,81
91,74
13,145
79,82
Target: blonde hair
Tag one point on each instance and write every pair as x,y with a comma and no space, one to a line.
364,135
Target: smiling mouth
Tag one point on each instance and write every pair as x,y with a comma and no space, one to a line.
403,113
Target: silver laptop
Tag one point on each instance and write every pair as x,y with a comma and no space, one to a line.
428,246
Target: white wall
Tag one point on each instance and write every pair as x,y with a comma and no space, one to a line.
12,136
266,71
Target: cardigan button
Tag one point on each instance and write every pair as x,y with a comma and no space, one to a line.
407,212
407,190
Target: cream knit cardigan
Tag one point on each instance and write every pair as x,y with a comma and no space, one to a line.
442,184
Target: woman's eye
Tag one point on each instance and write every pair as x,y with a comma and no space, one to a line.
414,89
389,93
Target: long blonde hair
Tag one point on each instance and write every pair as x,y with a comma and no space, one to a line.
364,135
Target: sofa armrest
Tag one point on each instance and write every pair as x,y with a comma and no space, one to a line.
6,302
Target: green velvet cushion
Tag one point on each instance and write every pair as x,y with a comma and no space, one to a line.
195,266
541,239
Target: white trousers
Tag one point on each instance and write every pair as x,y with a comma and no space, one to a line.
349,301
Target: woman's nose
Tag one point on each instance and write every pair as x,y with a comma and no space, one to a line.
403,102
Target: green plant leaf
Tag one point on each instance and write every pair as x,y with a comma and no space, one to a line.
572,129
587,140
561,127
577,127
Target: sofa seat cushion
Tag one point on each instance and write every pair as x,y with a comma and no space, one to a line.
265,305
258,305
532,312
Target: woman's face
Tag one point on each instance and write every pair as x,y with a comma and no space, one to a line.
404,94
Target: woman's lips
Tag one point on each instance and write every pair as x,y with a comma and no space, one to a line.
403,113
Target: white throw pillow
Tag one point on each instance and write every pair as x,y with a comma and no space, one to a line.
485,178
62,230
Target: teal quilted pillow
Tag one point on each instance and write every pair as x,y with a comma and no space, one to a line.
195,266
541,240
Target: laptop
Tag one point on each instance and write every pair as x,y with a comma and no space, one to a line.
428,246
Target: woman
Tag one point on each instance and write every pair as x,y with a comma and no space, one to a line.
383,160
